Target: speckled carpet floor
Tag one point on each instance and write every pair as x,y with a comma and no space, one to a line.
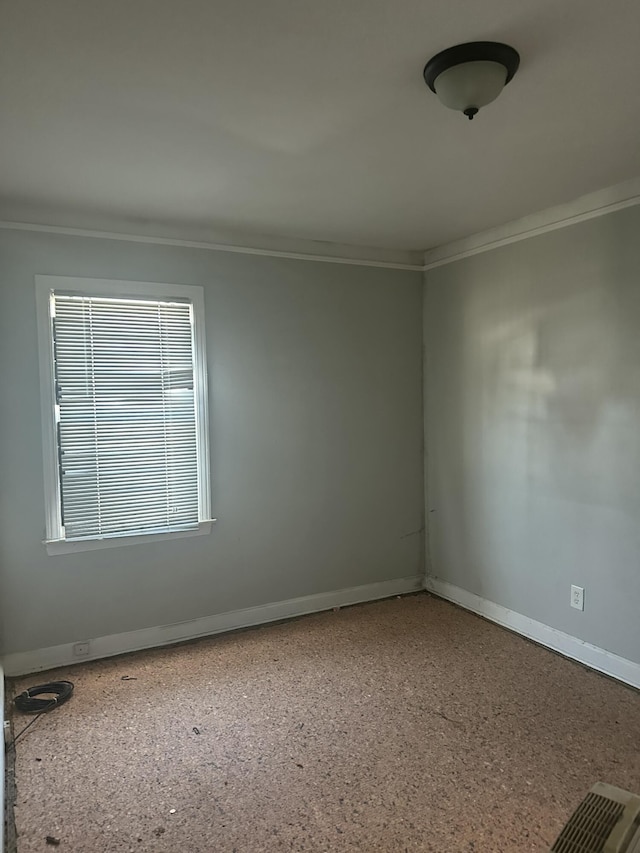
404,725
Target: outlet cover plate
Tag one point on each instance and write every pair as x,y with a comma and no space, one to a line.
577,597
80,650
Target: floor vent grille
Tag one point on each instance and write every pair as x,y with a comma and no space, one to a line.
606,821
590,826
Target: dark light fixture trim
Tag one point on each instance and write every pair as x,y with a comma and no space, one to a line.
473,51
470,76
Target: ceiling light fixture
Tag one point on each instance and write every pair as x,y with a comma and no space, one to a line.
469,76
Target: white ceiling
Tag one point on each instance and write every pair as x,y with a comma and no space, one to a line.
309,119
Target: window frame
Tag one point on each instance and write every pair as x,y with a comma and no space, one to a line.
110,288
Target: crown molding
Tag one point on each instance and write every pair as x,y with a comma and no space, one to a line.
271,247
586,207
599,203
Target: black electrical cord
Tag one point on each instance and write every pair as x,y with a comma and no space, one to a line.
28,702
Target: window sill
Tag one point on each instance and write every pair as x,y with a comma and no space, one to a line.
70,546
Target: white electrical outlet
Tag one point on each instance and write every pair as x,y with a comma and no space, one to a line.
577,597
81,650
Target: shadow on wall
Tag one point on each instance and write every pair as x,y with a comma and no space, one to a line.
542,395
564,391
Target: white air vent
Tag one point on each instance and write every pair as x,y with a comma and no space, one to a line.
606,821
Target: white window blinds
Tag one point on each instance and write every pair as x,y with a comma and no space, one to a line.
126,415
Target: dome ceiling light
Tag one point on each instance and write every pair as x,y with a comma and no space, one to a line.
469,76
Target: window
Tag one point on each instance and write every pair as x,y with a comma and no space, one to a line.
124,411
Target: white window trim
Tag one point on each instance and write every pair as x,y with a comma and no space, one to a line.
108,287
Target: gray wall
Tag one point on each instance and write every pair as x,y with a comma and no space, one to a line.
533,427
316,439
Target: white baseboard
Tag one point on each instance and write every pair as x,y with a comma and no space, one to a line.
21,663
2,762
571,647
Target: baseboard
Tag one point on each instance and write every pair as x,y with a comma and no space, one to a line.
2,762
571,647
21,663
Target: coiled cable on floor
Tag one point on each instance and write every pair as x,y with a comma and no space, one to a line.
28,703
58,692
